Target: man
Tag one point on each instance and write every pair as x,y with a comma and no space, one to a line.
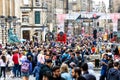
56,73
73,58
76,74
114,73
104,64
79,58
86,74
15,59
46,67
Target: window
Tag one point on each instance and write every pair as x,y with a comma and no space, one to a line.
25,18
26,2
37,2
37,17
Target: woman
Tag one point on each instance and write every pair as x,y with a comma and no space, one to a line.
65,72
117,54
3,64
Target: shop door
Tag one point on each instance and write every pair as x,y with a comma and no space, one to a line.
26,34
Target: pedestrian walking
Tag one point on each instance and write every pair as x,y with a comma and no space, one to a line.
3,64
104,64
37,70
114,73
76,74
65,72
26,68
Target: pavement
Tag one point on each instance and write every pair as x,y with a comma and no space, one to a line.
97,74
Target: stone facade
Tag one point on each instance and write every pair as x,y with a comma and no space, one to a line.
8,8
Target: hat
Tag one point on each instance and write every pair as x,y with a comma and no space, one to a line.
48,61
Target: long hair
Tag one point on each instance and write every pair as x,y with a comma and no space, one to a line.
64,68
3,58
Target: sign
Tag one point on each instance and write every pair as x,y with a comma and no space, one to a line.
87,20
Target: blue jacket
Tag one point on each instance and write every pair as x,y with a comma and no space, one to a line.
37,68
113,74
66,76
104,67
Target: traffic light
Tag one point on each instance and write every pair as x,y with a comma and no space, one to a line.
95,34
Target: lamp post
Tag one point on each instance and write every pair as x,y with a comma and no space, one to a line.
10,20
2,23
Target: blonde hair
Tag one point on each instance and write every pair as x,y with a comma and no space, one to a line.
64,68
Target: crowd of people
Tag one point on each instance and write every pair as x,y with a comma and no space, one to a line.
58,61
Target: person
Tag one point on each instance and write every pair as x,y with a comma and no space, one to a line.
86,72
47,75
114,73
56,73
84,68
104,64
90,77
79,58
117,53
76,74
73,58
91,68
15,59
3,64
26,68
36,70
45,67
110,62
41,57
65,72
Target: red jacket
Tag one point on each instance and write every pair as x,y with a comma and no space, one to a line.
16,58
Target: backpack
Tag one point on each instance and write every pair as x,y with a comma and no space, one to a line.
25,67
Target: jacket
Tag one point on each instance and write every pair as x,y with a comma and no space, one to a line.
37,68
66,76
16,58
30,67
113,74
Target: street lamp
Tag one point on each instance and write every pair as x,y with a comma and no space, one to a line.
2,23
7,20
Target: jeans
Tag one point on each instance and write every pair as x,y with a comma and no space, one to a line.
16,70
19,70
3,71
102,77
37,77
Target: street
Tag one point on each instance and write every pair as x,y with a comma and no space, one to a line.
97,72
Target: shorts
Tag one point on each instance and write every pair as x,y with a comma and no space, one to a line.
25,74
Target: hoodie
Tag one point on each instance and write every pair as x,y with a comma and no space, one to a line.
36,70
113,74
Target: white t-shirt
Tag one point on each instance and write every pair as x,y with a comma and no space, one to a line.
2,64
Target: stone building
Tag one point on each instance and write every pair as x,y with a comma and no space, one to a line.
8,8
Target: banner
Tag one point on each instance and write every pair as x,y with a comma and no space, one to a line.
60,19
